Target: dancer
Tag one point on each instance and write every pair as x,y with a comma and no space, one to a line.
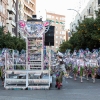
81,65
60,70
74,64
68,64
87,64
94,65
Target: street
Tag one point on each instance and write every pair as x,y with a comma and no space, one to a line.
71,90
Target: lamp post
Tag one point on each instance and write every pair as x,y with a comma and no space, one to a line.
77,12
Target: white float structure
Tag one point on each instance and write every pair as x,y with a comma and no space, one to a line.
31,74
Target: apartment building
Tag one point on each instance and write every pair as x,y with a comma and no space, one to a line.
26,8
87,11
11,23
58,21
3,13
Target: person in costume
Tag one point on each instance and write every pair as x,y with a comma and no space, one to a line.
74,64
81,65
68,64
98,59
94,65
87,64
60,70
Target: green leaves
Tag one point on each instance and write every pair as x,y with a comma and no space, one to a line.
87,35
7,41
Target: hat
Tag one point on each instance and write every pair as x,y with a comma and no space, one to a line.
60,54
74,54
81,55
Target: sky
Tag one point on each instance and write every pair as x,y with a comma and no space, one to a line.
59,7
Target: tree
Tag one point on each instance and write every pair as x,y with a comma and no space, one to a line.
65,45
87,35
7,41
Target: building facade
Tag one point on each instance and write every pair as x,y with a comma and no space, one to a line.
87,11
11,22
58,21
26,8
3,14
12,11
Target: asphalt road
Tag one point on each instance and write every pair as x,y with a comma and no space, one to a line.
71,90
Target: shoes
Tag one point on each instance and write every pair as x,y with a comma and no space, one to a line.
75,79
81,81
70,77
87,79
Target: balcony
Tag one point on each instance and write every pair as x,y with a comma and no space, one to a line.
14,0
11,10
27,13
28,6
8,8
7,21
13,22
32,1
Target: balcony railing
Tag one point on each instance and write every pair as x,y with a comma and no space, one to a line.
32,1
27,13
28,6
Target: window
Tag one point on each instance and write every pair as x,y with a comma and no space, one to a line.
56,46
56,27
48,16
60,32
56,41
57,18
56,36
62,18
52,16
56,32
63,32
60,37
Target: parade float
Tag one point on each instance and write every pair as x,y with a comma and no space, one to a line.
26,71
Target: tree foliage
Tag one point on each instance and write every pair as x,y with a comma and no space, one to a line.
7,41
87,35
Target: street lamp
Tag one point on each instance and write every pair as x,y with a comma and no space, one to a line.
77,12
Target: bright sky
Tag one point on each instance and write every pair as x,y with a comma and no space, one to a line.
59,7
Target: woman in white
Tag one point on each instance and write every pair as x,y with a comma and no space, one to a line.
94,65
87,64
68,64
74,64
81,65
